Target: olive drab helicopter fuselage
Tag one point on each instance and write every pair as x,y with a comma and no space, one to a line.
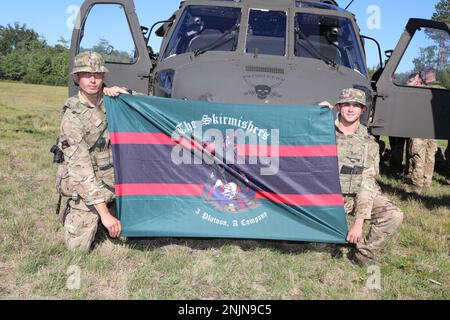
268,52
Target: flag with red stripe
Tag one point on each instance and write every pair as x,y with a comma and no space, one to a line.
212,170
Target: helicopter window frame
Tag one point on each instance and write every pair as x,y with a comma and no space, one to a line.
421,73
353,28
130,29
286,28
180,28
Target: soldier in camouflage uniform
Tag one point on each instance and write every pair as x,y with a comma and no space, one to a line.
359,166
398,143
422,151
87,175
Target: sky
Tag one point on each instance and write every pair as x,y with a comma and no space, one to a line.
383,20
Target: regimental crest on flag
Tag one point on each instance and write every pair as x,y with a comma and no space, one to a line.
229,194
229,189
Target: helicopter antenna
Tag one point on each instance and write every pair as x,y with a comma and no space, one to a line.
349,4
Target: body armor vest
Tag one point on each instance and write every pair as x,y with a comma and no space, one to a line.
96,135
352,159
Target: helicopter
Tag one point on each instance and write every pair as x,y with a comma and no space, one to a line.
284,52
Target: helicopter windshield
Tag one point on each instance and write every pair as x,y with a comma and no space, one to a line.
333,37
201,26
266,32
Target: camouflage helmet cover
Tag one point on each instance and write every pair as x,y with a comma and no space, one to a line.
89,61
352,95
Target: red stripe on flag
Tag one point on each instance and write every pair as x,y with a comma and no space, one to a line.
196,190
140,138
288,151
303,199
159,189
243,150
150,138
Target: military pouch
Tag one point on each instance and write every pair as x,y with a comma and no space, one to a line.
358,170
351,169
63,186
346,169
103,159
351,178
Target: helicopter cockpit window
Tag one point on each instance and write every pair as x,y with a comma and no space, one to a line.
328,38
266,32
426,62
104,39
205,28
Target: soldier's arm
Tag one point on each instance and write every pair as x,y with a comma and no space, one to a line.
76,153
369,186
326,104
111,223
116,91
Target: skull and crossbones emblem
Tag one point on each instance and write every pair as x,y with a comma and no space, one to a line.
263,91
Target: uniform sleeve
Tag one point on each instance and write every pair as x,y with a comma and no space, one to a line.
369,186
76,153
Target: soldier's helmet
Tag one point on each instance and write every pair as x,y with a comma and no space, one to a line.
352,95
89,61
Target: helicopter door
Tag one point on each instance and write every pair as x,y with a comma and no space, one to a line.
413,91
111,28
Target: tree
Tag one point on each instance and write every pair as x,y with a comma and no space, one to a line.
13,66
427,58
63,43
16,37
26,57
442,14
436,55
107,51
39,66
60,66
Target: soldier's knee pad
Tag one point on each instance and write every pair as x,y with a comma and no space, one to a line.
397,217
80,228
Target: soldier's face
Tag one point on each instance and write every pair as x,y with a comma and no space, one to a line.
91,83
350,112
415,81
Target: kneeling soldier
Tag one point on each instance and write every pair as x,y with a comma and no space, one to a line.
87,174
359,166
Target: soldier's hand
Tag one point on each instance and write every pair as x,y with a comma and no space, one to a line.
114,91
355,232
326,104
112,224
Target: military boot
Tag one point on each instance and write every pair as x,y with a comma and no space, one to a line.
414,189
359,259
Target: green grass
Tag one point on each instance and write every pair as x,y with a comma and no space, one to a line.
34,261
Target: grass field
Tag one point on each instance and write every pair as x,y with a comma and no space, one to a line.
34,263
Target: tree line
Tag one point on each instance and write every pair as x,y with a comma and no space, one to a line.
24,56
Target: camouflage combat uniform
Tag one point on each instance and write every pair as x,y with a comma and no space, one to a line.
84,141
422,157
421,162
359,167
359,160
87,175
